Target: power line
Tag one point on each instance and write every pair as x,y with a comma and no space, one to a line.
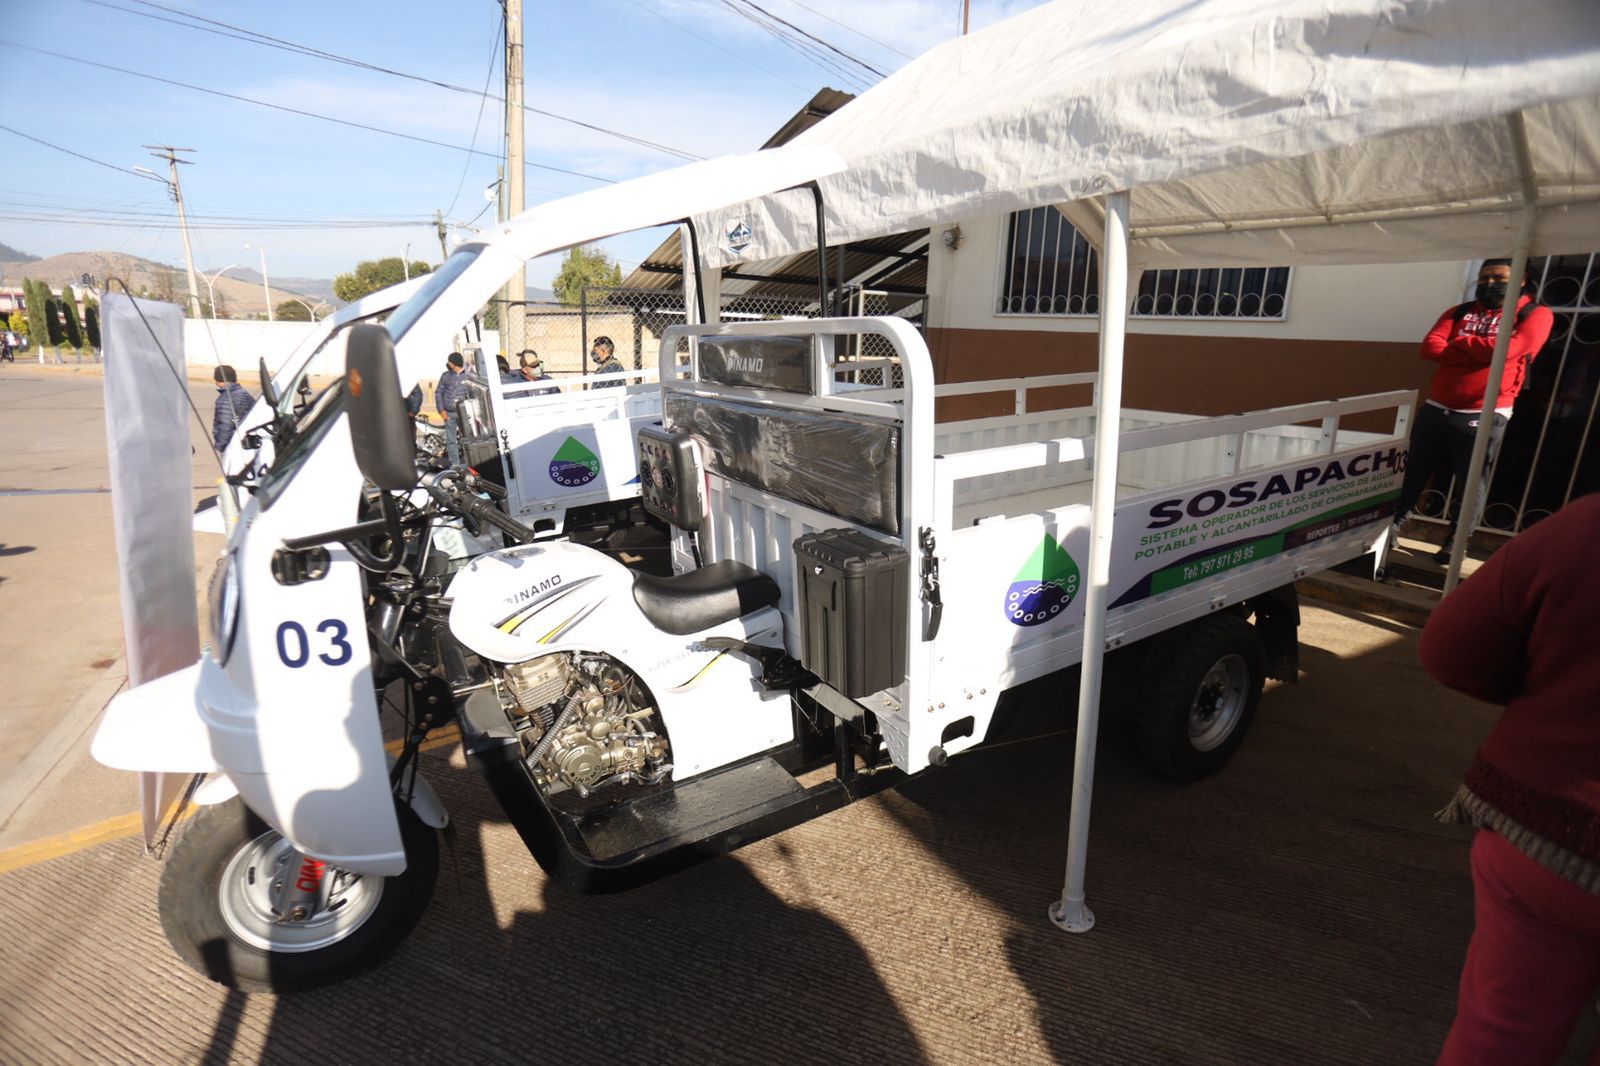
795,33
483,101
289,110
80,155
266,40
149,208
863,64
797,44
706,40
146,222
852,29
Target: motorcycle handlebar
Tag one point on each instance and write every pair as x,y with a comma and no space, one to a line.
479,483
455,490
490,515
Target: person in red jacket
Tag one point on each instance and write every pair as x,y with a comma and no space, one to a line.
1521,632
1462,343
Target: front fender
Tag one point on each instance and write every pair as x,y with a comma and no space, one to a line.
423,799
156,727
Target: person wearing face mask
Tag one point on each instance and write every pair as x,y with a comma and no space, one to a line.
1462,343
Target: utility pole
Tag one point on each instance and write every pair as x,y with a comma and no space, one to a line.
504,296
966,10
170,154
438,225
514,323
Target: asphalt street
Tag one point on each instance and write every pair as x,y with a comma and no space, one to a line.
59,605
1301,906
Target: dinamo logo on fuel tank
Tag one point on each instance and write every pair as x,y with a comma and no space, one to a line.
1045,585
574,465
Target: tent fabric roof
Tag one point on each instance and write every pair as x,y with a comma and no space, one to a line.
892,262
1328,130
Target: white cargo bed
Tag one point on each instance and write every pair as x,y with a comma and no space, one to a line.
1211,512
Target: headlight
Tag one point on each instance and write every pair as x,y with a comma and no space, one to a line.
224,601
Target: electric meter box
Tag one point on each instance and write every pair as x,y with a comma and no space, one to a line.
853,610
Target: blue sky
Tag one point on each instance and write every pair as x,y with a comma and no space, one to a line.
691,74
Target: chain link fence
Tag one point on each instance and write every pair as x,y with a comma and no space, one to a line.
634,320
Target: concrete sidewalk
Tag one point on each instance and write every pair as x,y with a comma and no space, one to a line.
60,618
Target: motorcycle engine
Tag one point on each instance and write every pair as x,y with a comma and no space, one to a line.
584,723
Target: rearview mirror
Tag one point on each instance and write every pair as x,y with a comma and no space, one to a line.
268,393
381,433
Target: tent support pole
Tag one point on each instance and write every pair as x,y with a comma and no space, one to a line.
1502,346
1070,911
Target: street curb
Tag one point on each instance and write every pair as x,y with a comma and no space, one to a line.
123,826
1410,607
68,732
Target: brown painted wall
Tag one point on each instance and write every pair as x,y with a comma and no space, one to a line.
1184,374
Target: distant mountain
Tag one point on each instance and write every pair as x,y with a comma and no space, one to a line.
238,291
236,295
312,289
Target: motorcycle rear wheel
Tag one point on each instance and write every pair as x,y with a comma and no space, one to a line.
212,903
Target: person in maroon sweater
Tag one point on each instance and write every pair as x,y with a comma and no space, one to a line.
1521,632
1462,343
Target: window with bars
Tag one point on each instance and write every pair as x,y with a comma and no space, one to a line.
1050,269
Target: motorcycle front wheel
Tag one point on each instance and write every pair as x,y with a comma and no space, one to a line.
215,904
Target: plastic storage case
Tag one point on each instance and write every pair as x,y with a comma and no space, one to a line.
853,610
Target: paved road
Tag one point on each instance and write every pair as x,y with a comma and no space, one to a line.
1301,906
59,607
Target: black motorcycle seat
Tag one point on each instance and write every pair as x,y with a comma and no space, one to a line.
700,599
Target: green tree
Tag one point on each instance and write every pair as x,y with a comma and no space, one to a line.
18,322
167,288
38,306
292,311
585,266
370,275
71,324
91,323
52,323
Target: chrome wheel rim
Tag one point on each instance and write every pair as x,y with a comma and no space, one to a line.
1218,702
245,899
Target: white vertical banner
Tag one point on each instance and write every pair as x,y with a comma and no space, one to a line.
147,437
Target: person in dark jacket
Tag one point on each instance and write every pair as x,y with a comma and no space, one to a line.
450,388
1521,632
605,358
414,401
1462,343
233,403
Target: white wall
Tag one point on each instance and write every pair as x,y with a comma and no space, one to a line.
242,343
1391,302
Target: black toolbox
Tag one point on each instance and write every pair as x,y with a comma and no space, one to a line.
853,610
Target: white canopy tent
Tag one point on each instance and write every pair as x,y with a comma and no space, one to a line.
1205,132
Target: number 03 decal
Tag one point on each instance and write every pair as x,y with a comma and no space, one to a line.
294,647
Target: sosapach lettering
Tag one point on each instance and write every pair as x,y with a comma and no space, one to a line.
1244,493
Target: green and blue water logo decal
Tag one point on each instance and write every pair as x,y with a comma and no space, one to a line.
574,465
1047,583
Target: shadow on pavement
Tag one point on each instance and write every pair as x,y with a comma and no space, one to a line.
679,970
1300,906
